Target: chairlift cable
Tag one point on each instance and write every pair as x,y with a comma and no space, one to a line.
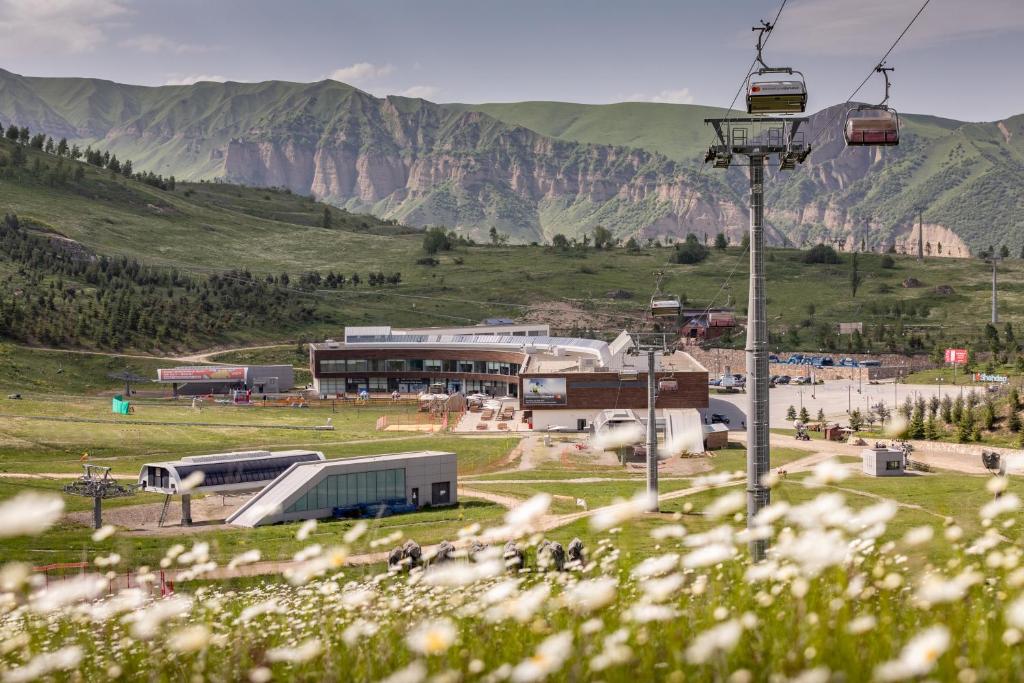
872,72
728,112
856,90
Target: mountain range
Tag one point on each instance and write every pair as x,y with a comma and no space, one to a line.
534,169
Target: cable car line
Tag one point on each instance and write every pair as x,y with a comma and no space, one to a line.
873,71
732,105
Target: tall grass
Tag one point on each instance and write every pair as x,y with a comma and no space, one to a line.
831,602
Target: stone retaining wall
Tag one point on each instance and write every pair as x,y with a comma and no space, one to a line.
717,360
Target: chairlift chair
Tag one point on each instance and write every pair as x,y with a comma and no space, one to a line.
873,125
774,95
771,96
665,306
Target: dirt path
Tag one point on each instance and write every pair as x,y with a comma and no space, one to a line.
965,462
205,356
199,357
110,354
61,476
546,523
574,480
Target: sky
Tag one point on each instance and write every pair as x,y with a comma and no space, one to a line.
961,59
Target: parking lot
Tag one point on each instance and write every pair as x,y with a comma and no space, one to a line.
834,397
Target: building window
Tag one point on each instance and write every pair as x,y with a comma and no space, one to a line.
378,384
357,365
415,364
432,365
357,488
332,366
396,365
893,465
465,366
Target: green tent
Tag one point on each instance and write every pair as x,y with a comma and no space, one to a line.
120,406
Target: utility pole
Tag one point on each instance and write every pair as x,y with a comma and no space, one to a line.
652,432
657,344
756,139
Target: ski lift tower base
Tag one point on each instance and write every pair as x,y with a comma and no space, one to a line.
96,483
756,139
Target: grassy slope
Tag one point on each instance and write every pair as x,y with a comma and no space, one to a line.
677,131
115,216
25,370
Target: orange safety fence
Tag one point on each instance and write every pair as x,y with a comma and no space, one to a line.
115,583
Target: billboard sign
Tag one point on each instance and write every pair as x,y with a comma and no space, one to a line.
984,377
212,373
956,356
544,391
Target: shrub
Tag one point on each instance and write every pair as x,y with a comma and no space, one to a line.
888,261
821,253
691,251
436,239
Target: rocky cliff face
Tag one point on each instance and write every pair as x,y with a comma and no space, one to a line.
426,164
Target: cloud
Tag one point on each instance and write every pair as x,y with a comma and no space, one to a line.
198,78
360,72
680,96
154,43
828,27
424,91
68,26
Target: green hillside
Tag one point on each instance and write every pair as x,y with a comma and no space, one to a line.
202,265
674,130
537,169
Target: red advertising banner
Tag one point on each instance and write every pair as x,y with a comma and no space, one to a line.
956,356
214,373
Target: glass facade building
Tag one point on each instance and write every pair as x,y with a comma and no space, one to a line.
340,490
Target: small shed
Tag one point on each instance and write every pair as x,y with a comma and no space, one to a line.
834,432
883,462
716,436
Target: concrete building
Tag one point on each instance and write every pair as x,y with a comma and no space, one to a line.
560,381
221,473
479,358
312,490
567,385
883,462
222,379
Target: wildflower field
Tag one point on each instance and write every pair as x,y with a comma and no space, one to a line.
847,593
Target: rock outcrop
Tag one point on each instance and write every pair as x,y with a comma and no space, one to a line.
424,164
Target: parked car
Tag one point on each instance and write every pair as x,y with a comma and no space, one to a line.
847,363
772,358
784,379
801,380
827,362
871,363
714,382
795,359
718,418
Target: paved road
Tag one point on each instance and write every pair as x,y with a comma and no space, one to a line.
938,456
